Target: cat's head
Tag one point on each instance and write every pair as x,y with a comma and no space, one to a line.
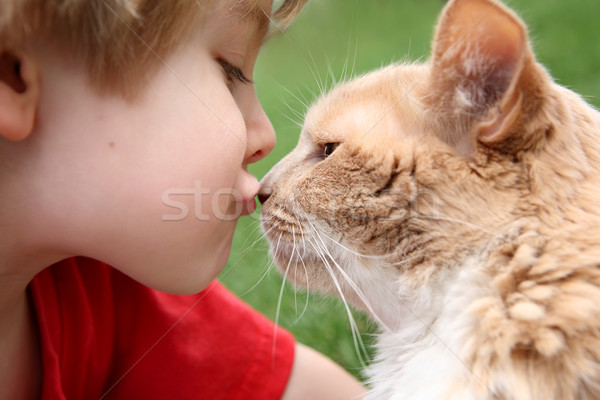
403,173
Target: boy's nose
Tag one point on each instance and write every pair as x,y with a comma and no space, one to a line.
260,135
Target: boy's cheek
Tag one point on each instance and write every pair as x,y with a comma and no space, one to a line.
175,256
201,197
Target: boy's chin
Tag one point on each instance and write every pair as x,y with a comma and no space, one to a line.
188,279
183,286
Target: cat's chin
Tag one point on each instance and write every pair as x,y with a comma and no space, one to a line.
303,268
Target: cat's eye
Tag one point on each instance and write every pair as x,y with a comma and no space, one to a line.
329,148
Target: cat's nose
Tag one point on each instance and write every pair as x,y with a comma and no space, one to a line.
263,195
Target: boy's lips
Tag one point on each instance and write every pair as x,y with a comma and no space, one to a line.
248,206
249,191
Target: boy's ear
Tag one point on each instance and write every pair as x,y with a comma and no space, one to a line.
19,95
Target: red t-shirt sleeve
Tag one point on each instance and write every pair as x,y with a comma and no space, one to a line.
103,335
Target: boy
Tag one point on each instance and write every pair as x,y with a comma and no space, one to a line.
110,111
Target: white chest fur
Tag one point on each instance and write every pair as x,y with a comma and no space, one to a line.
426,357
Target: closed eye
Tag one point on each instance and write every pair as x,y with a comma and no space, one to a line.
233,73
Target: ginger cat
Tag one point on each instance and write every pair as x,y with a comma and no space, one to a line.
458,203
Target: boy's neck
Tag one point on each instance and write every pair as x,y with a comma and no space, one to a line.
20,364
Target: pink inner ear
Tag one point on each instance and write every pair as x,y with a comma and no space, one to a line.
482,41
479,28
498,126
479,52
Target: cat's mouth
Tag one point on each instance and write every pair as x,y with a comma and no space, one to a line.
277,231
279,222
292,246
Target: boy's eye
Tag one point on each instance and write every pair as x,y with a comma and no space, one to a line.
233,74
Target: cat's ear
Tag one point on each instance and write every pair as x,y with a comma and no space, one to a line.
480,51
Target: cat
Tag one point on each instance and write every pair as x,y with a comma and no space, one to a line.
457,202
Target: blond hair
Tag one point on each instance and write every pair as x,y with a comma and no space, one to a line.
119,41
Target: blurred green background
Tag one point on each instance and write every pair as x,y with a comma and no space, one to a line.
333,38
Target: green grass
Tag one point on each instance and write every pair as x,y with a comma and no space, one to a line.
333,36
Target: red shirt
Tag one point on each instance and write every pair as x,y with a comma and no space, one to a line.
105,336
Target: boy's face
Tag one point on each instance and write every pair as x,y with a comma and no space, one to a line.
154,187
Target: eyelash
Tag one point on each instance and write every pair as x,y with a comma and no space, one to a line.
234,74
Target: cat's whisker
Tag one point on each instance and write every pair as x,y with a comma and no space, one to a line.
301,232
253,233
345,66
295,114
318,79
301,256
344,75
303,243
371,257
314,70
306,88
264,274
424,323
293,121
307,287
294,250
270,265
312,93
334,80
353,285
355,55
269,230
405,261
247,249
358,343
293,111
277,246
301,101
280,299
260,238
